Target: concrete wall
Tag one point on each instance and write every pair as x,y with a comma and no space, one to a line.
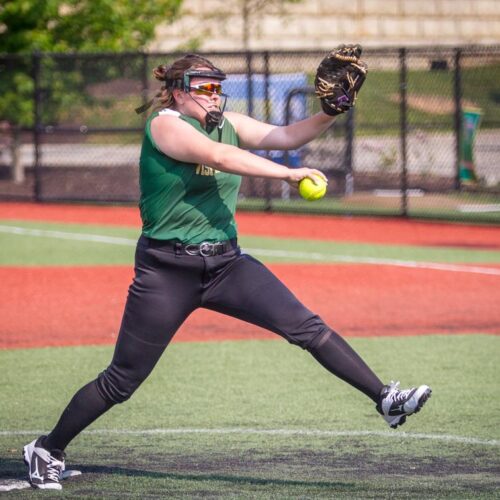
322,24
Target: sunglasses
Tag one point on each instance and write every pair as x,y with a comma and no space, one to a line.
206,89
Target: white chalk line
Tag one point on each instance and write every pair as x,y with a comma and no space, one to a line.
22,484
287,254
273,432
13,484
44,233
377,261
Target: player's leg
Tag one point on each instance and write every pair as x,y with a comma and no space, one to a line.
162,295
249,291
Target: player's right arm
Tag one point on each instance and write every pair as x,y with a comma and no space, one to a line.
181,141
255,134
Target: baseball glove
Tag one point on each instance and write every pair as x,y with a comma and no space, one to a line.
339,78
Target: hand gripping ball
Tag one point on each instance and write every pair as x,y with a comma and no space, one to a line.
311,191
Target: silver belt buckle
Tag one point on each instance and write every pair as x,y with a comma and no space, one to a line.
207,249
192,249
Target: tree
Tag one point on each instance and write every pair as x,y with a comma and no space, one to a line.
81,25
58,26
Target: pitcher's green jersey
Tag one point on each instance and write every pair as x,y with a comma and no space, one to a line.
182,201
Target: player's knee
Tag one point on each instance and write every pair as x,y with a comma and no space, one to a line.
310,333
117,386
318,340
314,341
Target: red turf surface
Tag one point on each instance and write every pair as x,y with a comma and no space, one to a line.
83,305
61,306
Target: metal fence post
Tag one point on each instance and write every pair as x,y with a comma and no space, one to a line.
249,84
348,159
267,114
403,85
248,58
37,102
145,84
457,89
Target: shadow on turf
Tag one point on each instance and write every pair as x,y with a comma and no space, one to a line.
434,469
11,469
102,469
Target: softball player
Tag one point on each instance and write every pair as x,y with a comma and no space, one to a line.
192,160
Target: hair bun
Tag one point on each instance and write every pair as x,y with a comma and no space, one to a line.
160,72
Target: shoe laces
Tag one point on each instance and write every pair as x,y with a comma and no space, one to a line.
54,469
395,394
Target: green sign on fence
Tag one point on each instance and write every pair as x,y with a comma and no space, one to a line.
470,123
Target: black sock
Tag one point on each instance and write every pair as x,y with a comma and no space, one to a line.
85,407
338,357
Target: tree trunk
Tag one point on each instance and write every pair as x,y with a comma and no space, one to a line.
246,27
17,167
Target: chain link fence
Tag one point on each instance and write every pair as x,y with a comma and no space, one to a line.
423,140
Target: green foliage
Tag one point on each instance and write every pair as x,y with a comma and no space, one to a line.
81,25
59,26
16,97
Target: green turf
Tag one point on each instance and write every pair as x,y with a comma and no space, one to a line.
259,385
267,385
52,249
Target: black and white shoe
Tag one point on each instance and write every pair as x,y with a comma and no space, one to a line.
395,405
44,469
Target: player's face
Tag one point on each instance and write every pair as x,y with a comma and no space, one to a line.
202,97
206,91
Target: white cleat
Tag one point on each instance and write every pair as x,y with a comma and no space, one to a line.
45,470
396,404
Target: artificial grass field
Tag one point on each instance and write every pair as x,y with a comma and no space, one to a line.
256,419
261,419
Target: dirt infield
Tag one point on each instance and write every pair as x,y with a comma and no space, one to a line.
83,305
51,306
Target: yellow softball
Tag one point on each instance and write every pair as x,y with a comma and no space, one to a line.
311,191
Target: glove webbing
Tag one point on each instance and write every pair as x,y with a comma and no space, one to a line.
342,57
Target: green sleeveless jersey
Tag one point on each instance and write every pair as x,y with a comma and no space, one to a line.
186,202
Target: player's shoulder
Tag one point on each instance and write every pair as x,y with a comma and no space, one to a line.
168,112
164,114
165,118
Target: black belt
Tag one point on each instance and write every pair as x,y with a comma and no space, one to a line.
205,248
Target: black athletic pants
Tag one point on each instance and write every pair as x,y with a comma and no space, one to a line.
168,285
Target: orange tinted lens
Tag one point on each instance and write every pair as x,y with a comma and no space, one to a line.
207,88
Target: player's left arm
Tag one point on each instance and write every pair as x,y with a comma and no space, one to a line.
255,134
